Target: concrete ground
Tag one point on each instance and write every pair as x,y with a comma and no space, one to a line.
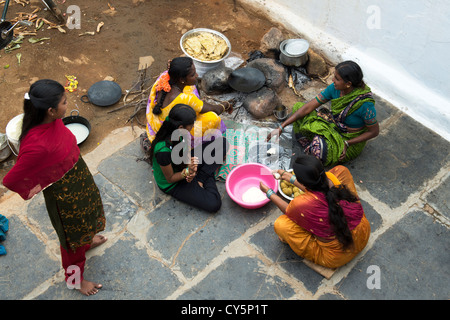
159,248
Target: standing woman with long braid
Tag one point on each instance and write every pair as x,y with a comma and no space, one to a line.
49,160
326,224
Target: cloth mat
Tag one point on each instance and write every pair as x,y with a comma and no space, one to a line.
4,227
247,144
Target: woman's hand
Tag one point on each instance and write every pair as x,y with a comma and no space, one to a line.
344,152
193,165
283,175
228,107
263,187
192,169
274,133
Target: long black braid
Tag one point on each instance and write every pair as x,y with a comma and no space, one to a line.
179,69
310,172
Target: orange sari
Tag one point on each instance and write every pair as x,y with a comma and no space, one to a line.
325,252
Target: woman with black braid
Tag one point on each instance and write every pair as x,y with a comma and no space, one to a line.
326,224
178,85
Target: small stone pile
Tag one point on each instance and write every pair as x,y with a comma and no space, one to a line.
262,102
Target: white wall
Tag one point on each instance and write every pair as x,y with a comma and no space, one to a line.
403,47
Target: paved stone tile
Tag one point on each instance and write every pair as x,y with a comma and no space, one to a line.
26,264
132,176
384,109
38,216
194,237
439,198
398,162
241,278
372,216
119,209
413,259
224,227
126,272
282,255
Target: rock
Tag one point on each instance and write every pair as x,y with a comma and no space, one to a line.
273,71
316,65
270,43
215,81
261,103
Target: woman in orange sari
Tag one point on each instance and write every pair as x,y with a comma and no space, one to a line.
177,85
326,224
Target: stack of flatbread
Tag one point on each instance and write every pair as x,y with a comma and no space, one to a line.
205,46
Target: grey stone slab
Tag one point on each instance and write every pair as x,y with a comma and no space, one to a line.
330,296
38,216
224,227
241,278
284,257
194,237
132,176
372,216
439,198
397,163
26,264
119,209
126,272
384,109
172,223
413,259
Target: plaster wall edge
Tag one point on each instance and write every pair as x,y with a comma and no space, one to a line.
385,78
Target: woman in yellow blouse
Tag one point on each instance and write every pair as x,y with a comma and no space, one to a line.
177,85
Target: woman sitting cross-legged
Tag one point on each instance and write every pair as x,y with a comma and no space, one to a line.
341,133
178,85
192,183
326,224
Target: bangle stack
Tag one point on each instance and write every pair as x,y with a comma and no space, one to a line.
292,179
281,127
269,193
185,172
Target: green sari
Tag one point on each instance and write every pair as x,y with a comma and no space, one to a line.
75,207
323,134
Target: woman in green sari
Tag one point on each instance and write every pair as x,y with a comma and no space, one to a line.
339,134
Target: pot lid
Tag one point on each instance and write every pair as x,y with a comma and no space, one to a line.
104,93
246,79
296,47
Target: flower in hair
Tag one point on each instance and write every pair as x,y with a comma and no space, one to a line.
163,82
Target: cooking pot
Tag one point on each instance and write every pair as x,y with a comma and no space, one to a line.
5,36
79,126
103,93
294,52
246,79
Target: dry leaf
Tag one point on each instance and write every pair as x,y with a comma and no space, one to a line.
99,26
90,33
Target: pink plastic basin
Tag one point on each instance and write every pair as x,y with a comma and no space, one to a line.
248,175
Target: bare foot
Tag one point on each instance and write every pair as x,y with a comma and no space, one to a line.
98,240
89,288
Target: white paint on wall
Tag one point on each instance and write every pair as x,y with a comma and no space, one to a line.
403,47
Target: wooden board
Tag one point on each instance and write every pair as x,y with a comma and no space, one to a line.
145,62
325,272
